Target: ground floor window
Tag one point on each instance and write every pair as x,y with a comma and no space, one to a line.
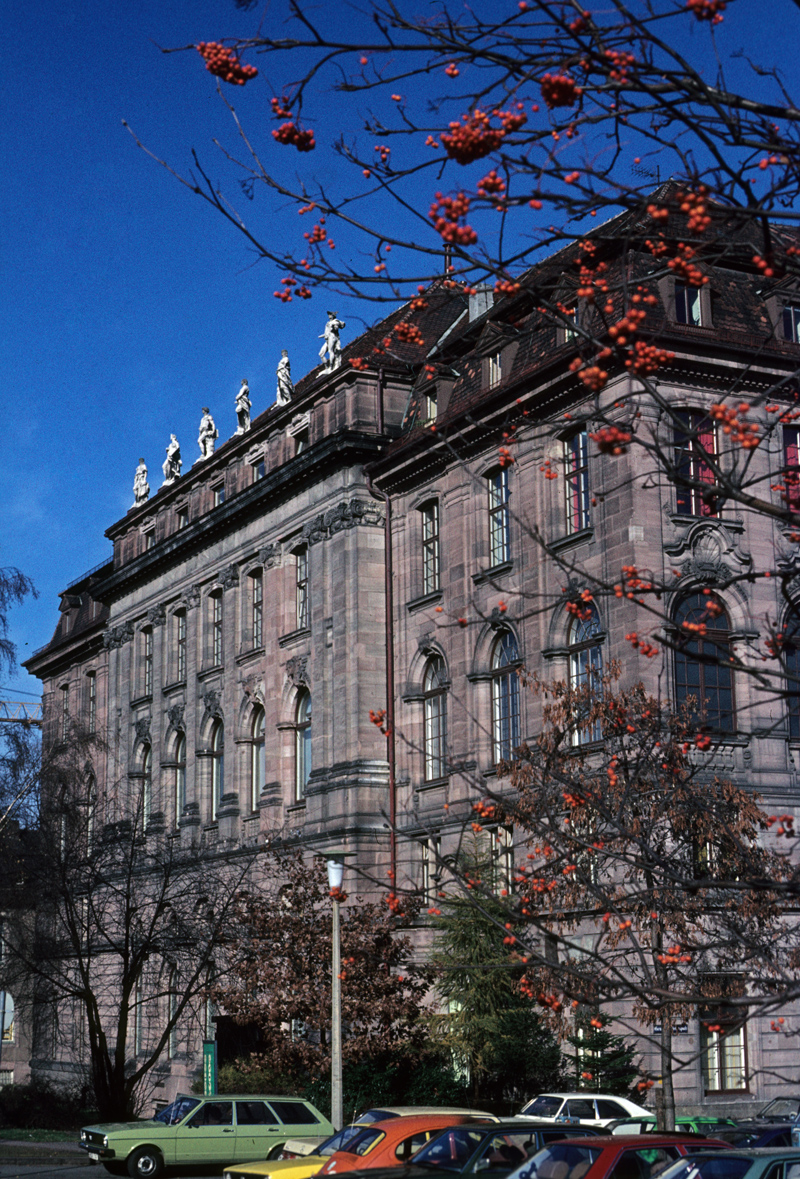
724,1058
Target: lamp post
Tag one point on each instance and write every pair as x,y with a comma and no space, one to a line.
335,865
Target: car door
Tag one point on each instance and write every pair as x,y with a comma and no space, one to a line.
581,1108
209,1135
294,1119
257,1131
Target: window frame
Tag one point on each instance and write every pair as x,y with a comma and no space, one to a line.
179,625
217,767
577,495
258,751
790,321
585,663
431,547
435,684
719,637
692,469
499,493
505,697
790,471
216,623
494,369
302,612
146,776
148,655
179,779
303,763
91,702
257,609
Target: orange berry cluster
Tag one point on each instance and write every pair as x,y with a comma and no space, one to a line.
642,646
627,326
474,137
281,108
359,362
657,213
492,186
694,204
292,135
612,440
378,719
560,90
383,151
225,64
506,286
452,70
547,469
785,824
580,24
745,433
766,266
648,358
620,63
409,332
446,212
685,269
710,10
673,955
593,377
288,292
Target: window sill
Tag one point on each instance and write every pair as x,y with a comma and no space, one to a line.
168,689
212,669
249,653
294,636
490,574
432,783
572,538
296,807
423,601
139,700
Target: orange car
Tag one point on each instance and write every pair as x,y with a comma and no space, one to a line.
391,1143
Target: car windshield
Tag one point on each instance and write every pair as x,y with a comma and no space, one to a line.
560,1161
543,1107
338,1141
177,1110
715,1167
781,1107
451,1150
375,1115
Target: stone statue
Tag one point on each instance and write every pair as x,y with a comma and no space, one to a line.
332,343
172,463
141,488
285,386
208,434
243,406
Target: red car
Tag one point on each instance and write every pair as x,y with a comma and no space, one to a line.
392,1142
628,1156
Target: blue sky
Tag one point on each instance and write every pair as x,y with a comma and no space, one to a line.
127,303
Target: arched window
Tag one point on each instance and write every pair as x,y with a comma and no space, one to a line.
257,759
180,777
147,785
147,661
302,749
91,809
217,767
703,676
434,687
505,696
179,634
6,1018
586,667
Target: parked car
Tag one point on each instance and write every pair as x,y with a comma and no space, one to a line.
591,1109
780,1109
612,1157
298,1166
756,1135
201,1130
472,1149
738,1164
383,1112
391,1143
686,1123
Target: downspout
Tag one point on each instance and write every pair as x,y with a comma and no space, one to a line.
389,631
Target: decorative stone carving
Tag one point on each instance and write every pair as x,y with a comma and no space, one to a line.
708,555
157,615
211,702
229,577
332,344
297,671
142,727
270,555
253,688
425,643
314,530
141,488
175,714
172,463
190,599
285,385
115,636
243,406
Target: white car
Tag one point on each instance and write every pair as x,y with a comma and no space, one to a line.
588,1109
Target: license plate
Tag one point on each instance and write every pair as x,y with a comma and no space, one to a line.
95,1157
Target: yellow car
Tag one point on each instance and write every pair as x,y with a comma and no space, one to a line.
302,1167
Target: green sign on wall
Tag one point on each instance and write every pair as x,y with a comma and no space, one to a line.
209,1068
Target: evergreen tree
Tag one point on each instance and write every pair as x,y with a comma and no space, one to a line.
604,1063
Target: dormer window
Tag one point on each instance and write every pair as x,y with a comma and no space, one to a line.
219,494
791,322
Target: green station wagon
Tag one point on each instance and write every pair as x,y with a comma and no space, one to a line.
202,1130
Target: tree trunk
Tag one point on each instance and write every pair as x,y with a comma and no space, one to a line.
667,1110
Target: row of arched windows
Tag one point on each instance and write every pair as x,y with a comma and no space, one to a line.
216,756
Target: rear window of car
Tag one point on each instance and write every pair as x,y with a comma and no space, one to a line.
375,1115
451,1149
338,1141
544,1107
364,1142
609,1109
560,1161
252,1113
294,1113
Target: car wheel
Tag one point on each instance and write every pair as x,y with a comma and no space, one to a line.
276,1152
145,1163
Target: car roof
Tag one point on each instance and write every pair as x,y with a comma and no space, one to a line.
610,1141
406,1125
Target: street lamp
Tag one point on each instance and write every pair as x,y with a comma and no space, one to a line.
334,860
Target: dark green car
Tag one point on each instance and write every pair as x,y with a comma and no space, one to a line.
202,1130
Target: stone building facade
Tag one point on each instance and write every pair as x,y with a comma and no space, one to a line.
319,565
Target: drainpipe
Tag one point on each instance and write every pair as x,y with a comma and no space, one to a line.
389,600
